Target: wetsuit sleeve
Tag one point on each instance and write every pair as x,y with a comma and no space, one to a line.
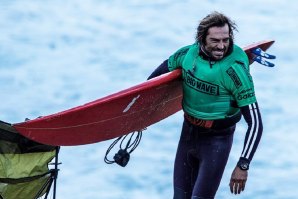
252,116
161,69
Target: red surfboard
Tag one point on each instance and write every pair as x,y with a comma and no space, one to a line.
118,114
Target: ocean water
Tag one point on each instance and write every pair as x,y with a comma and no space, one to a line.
55,55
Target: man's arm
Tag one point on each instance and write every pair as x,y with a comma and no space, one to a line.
253,135
161,69
252,116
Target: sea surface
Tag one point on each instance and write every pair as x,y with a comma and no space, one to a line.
55,55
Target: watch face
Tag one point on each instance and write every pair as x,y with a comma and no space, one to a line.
244,166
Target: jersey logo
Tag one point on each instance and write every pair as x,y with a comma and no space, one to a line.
232,73
200,85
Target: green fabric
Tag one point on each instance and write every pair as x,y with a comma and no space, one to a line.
26,190
24,165
22,175
209,90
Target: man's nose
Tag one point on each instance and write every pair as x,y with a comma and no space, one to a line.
220,45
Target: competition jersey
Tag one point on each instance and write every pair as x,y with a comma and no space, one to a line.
210,88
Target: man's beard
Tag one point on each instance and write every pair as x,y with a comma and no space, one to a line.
208,55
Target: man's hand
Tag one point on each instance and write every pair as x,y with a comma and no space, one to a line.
238,180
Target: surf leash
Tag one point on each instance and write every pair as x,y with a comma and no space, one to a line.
122,157
262,57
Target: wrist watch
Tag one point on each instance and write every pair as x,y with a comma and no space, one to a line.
243,165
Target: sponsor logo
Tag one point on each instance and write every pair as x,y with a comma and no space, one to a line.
246,91
200,85
235,78
245,96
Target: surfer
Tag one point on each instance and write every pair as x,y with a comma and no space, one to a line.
217,90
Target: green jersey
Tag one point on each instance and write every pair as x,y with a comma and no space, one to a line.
210,88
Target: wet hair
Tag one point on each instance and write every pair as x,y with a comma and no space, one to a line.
215,19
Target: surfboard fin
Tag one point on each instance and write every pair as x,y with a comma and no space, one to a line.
263,61
260,52
262,56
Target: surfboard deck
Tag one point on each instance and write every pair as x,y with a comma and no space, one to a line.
115,115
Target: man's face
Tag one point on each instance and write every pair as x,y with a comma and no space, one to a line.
217,42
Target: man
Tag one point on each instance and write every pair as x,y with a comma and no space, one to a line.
217,90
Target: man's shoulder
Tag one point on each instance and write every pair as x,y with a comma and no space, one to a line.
185,49
180,53
238,55
176,59
239,52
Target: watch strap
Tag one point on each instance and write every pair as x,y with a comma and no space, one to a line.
243,164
